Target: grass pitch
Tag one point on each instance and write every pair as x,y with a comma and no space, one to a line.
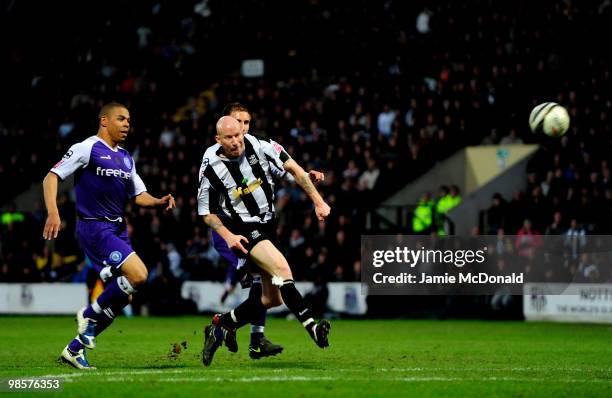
136,357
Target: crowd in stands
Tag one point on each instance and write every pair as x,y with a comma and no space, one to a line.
373,96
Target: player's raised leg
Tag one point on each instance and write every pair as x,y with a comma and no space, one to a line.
224,326
272,261
259,346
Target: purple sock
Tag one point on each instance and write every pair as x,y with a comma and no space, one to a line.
75,345
113,296
108,315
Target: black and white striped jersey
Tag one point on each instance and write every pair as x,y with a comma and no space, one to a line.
241,188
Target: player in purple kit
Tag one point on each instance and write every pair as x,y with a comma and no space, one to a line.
105,179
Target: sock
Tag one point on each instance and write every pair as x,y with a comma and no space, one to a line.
259,320
256,338
296,303
243,314
115,295
109,314
75,345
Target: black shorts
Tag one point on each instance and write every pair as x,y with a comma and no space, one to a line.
254,232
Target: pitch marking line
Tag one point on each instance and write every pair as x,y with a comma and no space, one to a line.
133,376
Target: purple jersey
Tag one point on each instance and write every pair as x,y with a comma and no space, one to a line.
105,178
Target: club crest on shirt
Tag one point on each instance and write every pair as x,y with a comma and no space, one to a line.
277,147
115,256
252,160
127,162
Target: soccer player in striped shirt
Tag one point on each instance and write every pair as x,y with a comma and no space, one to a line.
259,345
236,199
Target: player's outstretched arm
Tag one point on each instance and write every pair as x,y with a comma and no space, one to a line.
233,241
303,179
52,225
144,199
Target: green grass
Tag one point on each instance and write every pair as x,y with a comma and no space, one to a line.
366,358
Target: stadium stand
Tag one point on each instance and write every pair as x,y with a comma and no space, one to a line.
373,120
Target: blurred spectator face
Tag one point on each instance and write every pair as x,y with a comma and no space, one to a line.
557,217
574,223
243,118
340,237
527,225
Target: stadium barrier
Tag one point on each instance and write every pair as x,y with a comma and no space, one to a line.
344,297
590,303
42,298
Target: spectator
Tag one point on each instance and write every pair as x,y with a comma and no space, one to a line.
496,214
367,179
527,240
422,220
575,239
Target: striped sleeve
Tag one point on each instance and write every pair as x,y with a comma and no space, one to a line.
274,152
204,206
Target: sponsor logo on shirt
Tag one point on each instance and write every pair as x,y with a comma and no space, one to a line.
113,173
238,192
105,157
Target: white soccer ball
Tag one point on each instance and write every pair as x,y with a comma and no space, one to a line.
549,118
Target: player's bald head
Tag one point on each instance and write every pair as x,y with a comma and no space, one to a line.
227,125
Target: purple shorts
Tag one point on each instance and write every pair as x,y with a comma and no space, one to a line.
221,247
104,242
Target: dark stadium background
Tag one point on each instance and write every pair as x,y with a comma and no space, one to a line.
331,69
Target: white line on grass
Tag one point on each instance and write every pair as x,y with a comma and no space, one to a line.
533,369
219,379
413,379
122,375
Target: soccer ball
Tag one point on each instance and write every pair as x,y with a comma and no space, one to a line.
549,118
